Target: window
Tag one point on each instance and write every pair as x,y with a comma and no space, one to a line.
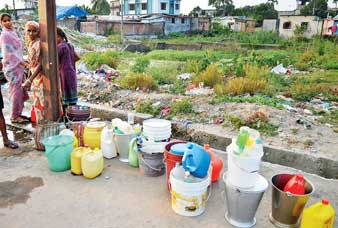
163,6
177,6
132,7
287,25
144,6
304,25
182,21
173,20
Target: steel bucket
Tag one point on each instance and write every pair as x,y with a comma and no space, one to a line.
287,207
242,204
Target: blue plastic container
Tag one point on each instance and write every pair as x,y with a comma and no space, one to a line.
196,160
178,148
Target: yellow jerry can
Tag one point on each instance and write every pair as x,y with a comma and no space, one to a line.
92,134
92,163
75,159
319,215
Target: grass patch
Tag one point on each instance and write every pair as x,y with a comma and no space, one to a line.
148,108
330,118
135,81
264,100
178,87
184,106
258,122
210,77
163,74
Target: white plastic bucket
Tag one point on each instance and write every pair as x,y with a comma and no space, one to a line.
243,170
189,199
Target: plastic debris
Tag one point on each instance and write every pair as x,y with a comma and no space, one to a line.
184,76
279,69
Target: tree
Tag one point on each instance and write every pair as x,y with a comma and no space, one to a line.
258,12
315,8
101,7
274,1
223,7
194,12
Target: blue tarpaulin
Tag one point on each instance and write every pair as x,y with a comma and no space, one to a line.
70,11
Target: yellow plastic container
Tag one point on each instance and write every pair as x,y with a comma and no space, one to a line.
92,134
75,159
319,215
92,163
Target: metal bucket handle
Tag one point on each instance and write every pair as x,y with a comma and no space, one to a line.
147,164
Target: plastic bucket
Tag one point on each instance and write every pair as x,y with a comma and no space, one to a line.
151,164
242,204
242,170
189,199
171,159
58,150
122,142
287,207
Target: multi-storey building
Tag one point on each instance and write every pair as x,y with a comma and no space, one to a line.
144,7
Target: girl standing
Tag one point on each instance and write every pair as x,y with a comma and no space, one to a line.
67,70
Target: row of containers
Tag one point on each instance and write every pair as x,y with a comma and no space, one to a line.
190,170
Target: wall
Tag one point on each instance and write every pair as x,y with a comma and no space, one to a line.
70,23
314,26
130,28
178,26
269,25
88,27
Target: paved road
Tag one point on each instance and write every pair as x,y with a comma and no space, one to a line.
120,197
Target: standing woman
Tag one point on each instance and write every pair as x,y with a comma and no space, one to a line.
67,70
13,67
32,29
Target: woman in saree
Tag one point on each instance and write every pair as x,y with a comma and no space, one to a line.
13,68
32,29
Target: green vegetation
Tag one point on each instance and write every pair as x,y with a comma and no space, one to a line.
184,106
261,124
330,118
148,108
264,100
135,81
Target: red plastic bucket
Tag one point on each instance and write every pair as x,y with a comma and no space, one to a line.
171,159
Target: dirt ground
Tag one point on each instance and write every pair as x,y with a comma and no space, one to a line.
33,196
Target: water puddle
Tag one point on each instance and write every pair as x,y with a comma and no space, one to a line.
17,191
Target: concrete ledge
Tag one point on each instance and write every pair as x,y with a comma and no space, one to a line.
202,134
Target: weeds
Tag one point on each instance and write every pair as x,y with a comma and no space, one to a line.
148,108
138,81
178,87
264,100
184,106
210,77
94,59
140,65
164,74
330,118
256,121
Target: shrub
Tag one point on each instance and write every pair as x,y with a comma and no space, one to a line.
165,74
140,65
147,107
243,85
305,91
220,89
94,59
135,80
192,66
183,106
178,87
210,77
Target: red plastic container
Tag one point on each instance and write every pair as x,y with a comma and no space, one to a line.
171,159
33,115
216,163
296,185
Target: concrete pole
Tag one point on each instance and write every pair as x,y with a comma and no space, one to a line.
122,36
49,59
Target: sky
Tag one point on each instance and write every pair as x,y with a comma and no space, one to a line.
186,5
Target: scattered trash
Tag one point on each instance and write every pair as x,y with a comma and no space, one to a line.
199,91
219,120
279,69
184,76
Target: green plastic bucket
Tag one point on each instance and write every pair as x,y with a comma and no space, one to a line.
58,149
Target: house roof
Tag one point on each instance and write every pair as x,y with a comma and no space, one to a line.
70,11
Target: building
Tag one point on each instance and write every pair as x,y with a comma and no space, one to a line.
288,24
144,7
115,8
330,27
299,5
